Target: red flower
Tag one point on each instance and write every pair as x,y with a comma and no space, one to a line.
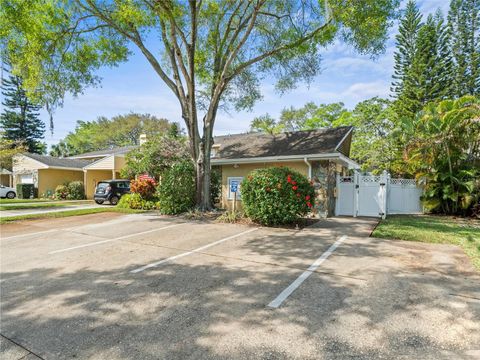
309,204
298,194
294,183
289,179
294,187
307,197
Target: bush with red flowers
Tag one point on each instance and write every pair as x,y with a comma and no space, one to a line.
276,195
144,186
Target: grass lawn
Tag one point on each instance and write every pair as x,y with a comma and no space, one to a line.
66,213
434,229
33,205
13,201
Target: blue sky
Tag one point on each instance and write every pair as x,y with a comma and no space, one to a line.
133,87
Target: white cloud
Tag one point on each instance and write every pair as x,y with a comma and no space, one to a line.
364,90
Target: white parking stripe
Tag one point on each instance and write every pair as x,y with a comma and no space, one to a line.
201,248
298,281
111,240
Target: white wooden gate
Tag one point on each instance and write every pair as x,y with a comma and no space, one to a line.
368,195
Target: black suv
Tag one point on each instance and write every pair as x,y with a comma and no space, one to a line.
111,190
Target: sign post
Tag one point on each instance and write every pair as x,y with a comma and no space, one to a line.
234,189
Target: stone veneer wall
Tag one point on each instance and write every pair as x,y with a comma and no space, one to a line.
324,181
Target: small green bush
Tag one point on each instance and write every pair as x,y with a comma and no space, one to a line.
135,201
76,191
176,191
215,185
26,191
276,195
61,192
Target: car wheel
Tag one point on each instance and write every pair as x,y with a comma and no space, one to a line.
114,200
10,195
99,202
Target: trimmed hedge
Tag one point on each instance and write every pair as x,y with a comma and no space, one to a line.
26,191
276,195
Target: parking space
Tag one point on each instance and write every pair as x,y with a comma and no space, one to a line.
113,286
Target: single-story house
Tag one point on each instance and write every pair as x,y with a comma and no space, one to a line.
318,154
47,172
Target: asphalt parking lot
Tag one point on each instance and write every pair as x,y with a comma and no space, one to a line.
113,286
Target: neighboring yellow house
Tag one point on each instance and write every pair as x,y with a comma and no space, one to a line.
47,172
104,165
318,154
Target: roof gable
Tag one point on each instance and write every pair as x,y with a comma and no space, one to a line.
253,145
105,153
55,162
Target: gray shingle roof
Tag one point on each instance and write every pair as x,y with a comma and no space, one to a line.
106,152
59,162
253,145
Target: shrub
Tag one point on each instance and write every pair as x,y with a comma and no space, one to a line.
26,191
135,201
276,195
215,186
176,191
144,187
61,192
76,191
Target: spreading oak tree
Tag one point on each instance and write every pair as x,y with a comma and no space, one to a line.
209,53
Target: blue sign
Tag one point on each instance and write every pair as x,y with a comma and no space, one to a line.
234,186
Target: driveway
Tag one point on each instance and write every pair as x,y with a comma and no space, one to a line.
112,286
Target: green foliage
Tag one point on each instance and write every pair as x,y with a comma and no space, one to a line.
276,195
19,119
155,156
26,191
444,149
406,46
463,24
144,187
8,149
70,191
266,124
61,192
121,130
135,201
373,144
308,117
231,217
215,185
176,191
76,190
429,76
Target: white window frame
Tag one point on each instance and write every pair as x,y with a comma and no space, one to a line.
26,179
230,194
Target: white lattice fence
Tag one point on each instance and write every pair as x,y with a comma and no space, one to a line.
367,195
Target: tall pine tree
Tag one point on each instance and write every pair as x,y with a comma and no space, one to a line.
406,42
20,118
429,77
464,27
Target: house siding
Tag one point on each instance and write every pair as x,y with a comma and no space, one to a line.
49,179
92,177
